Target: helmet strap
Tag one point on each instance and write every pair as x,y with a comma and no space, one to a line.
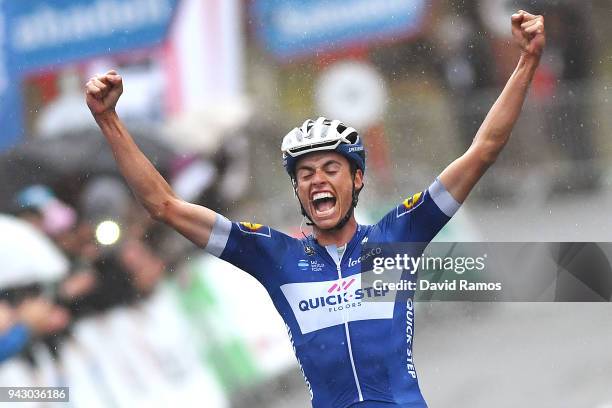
308,249
350,211
310,223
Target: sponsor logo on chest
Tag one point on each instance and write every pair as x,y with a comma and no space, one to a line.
318,305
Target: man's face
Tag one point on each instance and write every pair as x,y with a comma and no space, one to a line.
325,187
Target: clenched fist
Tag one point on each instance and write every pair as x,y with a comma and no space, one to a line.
528,32
102,92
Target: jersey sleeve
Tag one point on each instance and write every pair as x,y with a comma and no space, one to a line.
256,249
420,217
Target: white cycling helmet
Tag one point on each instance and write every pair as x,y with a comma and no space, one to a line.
322,135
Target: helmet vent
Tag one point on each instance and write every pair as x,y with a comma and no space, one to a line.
309,147
352,137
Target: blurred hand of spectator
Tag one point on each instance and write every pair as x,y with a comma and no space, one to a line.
41,316
78,285
145,267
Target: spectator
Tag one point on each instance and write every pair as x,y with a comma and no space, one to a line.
468,68
34,317
38,205
563,83
13,336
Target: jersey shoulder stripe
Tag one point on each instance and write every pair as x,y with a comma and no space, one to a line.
219,235
443,199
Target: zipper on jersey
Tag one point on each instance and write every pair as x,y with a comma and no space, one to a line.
333,252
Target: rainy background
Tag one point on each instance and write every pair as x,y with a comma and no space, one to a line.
97,297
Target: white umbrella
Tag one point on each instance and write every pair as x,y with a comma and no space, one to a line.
27,256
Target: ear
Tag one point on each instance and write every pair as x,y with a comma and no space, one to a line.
358,179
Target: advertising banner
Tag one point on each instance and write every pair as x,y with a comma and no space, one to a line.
43,33
37,34
10,115
294,28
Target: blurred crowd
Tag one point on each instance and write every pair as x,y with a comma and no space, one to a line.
81,259
473,68
96,277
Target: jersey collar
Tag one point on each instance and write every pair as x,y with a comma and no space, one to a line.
331,249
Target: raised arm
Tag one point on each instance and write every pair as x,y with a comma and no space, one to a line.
152,191
462,175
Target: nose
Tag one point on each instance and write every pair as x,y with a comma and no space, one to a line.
319,177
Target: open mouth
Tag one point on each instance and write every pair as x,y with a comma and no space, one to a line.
323,203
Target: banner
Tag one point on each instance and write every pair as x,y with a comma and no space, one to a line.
43,33
37,34
304,27
10,100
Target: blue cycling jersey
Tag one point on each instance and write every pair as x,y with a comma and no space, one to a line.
352,352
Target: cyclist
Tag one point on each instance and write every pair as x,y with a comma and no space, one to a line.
351,352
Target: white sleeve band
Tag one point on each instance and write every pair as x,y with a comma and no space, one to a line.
219,235
445,202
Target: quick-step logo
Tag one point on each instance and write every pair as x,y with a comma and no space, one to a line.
318,305
345,285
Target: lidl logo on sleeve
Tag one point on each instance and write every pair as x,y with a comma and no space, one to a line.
409,204
412,201
251,226
257,229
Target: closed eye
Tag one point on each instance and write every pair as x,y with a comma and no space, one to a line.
332,168
304,174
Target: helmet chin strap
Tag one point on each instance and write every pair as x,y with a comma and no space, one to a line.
310,223
348,214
